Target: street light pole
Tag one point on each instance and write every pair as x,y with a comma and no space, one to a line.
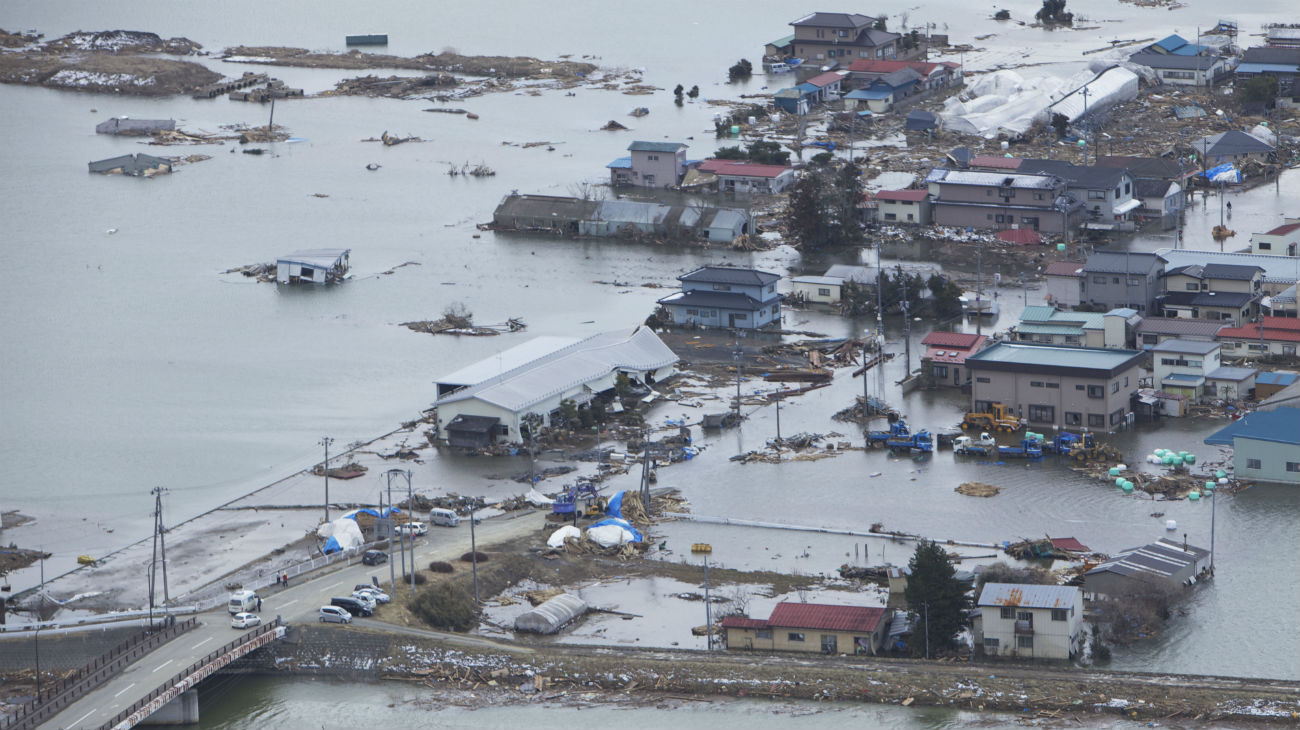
866,401
704,549
473,549
738,355
326,441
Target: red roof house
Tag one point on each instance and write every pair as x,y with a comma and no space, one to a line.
811,627
945,356
1280,337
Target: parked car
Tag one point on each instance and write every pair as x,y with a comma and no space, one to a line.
374,557
245,620
351,605
366,600
242,601
413,528
444,517
334,615
373,593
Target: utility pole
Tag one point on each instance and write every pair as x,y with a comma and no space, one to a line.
704,549
778,417
1024,286
410,499
927,629
392,574
393,534
979,285
326,441
473,548
866,401
738,356
159,546
907,330
1213,499
645,469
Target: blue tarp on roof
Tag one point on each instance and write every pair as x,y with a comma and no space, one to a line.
622,163
1224,173
1191,49
1169,43
807,88
371,511
1282,379
1281,425
1263,68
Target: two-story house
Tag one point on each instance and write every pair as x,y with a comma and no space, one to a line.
1106,192
651,165
1217,292
944,361
1047,325
725,296
1049,385
1160,185
1232,146
903,206
1062,279
822,38
1181,366
1283,240
738,176
976,199
1121,279
1029,621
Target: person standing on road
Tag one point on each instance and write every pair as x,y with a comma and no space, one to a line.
259,604
286,580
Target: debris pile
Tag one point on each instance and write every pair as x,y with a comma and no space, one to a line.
463,324
264,273
977,489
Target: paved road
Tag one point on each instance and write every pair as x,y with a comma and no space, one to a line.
299,603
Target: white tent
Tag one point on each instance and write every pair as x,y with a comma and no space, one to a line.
558,537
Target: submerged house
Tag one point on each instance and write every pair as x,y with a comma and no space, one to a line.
608,218
134,165
496,408
129,126
724,296
313,266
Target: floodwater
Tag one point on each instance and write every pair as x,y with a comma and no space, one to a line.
131,362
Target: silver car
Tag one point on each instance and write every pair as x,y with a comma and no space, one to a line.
334,615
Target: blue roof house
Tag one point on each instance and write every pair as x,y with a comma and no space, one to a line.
1265,446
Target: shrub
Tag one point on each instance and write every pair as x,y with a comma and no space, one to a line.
445,606
420,579
439,566
469,557
742,70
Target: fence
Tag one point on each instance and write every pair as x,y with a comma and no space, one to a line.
292,571
174,683
53,699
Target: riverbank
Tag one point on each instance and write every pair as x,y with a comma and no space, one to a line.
652,675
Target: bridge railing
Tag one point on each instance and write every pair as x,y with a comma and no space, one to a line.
64,692
191,669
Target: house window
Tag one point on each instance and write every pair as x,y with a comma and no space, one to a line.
741,316
1099,279
307,274
1073,419
1008,612
1114,280
891,216
1117,417
982,380
1035,383
989,216
1055,385
793,636
823,292
990,643
1060,614
1042,414
1078,387
1096,195
1293,466
1039,196
1024,642
1150,339
1254,464
1134,282
692,313
1125,381
1264,246
763,634
988,193
1193,287
721,287
1128,188
1096,391
649,180
1117,192
1096,420
1114,387
999,218
652,158
940,371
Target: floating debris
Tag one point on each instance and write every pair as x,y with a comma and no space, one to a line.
977,489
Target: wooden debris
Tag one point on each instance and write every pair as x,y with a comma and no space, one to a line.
977,489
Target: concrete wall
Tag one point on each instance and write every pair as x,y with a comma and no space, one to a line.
812,292
1070,396
1116,290
1063,290
905,211
61,652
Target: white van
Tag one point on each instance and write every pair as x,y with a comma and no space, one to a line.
243,602
444,517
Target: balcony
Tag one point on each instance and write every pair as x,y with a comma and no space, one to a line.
1024,628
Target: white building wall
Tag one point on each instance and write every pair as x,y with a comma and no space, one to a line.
1052,639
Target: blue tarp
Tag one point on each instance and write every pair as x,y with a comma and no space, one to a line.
636,534
331,546
372,512
615,508
1224,173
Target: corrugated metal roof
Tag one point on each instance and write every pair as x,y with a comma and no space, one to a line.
823,80
1163,558
510,359
323,258
1191,347
713,299
992,179
1064,268
1066,357
1028,596
643,146
963,340
1227,372
1272,378
1281,425
584,361
1178,326
826,617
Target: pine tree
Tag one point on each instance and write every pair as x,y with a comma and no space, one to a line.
936,596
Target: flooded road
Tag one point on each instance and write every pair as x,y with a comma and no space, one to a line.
130,361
